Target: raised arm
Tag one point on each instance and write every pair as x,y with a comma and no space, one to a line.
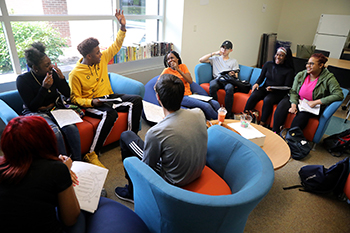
119,14
205,58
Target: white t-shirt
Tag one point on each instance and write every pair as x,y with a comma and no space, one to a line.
220,65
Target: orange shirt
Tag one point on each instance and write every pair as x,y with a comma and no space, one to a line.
184,69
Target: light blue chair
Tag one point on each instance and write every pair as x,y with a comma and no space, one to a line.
203,72
166,208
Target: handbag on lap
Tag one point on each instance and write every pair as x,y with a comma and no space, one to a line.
241,85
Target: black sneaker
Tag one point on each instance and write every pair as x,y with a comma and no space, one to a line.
124,194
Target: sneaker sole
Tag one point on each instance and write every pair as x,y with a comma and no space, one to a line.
124,198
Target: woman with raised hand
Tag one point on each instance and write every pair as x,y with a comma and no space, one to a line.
316,85
277,76
39,89
173,65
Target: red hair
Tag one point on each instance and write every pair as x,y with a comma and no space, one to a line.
24,139
320,57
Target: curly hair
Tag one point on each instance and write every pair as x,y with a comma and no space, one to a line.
35,54
322,59
166,58
87,45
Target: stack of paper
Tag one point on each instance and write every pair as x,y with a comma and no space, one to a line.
249,133
304,107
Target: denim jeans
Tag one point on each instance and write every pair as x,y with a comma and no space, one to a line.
70,132
215,85
210,108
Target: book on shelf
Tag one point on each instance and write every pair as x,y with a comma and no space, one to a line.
141,51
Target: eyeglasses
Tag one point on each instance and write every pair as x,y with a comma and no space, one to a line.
309,63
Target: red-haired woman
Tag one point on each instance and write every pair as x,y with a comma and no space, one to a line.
315,84
36,191
34,180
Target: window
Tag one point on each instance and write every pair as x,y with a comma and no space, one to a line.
62,24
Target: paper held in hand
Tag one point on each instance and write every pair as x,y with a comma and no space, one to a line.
280,87
304,107
201,97
66,117
110,100
250,133
153,113
91,180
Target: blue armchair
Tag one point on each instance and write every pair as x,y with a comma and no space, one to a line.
166,208
316,127
11,105
150,94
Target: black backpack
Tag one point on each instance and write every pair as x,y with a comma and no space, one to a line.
320,180
337,144
299,146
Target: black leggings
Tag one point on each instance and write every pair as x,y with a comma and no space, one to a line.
270,98
301,119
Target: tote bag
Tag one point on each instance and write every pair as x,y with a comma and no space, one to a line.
305,51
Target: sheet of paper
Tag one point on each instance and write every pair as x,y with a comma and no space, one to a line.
154,113
201,97
303,106
249,132
280,87
91,180
111,100
66,117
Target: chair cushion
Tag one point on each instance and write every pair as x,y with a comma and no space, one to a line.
209,183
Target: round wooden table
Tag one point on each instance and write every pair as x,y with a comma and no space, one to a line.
274,146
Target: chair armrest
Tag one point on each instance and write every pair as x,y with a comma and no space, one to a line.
255,75
203,73
6,112
123,85
326,117
245,72
13,100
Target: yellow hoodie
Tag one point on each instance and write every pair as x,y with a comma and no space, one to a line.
88,82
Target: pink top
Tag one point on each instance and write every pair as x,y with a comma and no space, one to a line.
307,88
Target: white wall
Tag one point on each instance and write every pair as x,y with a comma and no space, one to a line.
299,18
243,22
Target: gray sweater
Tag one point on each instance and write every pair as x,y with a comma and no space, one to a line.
179,144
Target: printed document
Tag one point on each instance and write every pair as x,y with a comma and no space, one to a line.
280,87
201,97
111,100
304,107
91,180
66,117
153,113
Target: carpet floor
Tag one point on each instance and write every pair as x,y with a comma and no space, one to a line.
281,210
337,125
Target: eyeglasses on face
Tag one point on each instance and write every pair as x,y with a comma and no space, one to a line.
309,63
